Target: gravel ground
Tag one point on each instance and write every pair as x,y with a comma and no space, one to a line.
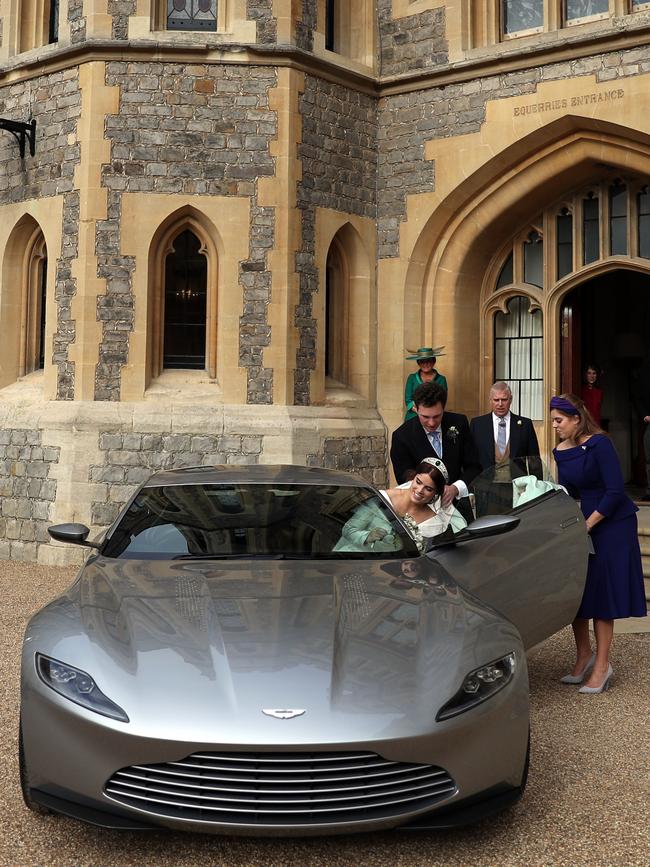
587,801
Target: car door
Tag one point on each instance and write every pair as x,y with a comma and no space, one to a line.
534,574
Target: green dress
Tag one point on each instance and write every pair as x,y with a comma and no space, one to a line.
414,381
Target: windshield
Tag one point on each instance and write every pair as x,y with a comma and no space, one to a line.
502,489
253,520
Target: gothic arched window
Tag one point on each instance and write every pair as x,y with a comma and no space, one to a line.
184,337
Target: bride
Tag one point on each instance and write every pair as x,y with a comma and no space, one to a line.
419,505
419,502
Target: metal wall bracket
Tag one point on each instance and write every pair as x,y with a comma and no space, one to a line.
21,130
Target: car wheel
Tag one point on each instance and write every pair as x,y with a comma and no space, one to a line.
24,782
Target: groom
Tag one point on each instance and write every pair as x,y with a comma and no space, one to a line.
434,432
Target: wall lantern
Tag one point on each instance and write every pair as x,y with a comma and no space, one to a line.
21,130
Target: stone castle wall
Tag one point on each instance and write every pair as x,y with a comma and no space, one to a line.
54,102
74,464
416,42
408,121
338,155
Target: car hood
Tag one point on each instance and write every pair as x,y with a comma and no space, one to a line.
204,648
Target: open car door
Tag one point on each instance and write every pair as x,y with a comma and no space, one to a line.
534,574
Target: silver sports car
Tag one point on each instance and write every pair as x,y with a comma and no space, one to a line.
227,661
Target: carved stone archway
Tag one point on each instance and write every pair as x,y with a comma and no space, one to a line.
445,286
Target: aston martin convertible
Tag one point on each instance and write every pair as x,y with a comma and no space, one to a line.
223,664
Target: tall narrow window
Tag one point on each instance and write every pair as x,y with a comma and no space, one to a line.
643,206
192,15
330,24
42,291
53,24
574,10
185,304
564,243
534,259
590,229
618,219
522,15
33,347
336,316
518,355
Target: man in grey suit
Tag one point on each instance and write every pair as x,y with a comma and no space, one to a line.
503,440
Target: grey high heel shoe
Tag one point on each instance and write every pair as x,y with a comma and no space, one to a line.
578,678
595,690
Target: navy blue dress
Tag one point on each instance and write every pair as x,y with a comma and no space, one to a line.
614,585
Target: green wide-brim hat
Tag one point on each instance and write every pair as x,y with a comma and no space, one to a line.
425,352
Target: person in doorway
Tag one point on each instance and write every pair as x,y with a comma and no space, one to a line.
592,393
426,358
589,468
436,433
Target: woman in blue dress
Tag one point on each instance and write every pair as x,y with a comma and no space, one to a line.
589,468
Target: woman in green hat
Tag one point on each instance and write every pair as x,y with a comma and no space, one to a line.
426,372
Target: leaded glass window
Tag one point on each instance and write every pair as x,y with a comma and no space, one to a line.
534,259
520,15
618,219
192,15
518,355
590,229
643,204
505,275
574,9
564,243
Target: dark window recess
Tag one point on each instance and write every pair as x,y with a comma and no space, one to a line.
643,204
590,229
564,243
53,23
534,259
618,219
330,24
185,304
41,330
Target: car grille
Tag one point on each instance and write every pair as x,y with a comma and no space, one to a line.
289,789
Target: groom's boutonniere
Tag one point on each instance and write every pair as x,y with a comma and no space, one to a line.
452,433
518,421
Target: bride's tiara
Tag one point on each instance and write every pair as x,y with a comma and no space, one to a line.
438,464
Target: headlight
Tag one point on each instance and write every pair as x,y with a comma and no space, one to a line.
479,685
78,686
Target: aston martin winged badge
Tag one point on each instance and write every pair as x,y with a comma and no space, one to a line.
282,713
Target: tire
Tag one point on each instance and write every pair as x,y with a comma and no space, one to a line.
24,782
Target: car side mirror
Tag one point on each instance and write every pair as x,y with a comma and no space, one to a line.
75,534
492,525
481,528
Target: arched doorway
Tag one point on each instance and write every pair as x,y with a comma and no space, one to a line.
605,321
